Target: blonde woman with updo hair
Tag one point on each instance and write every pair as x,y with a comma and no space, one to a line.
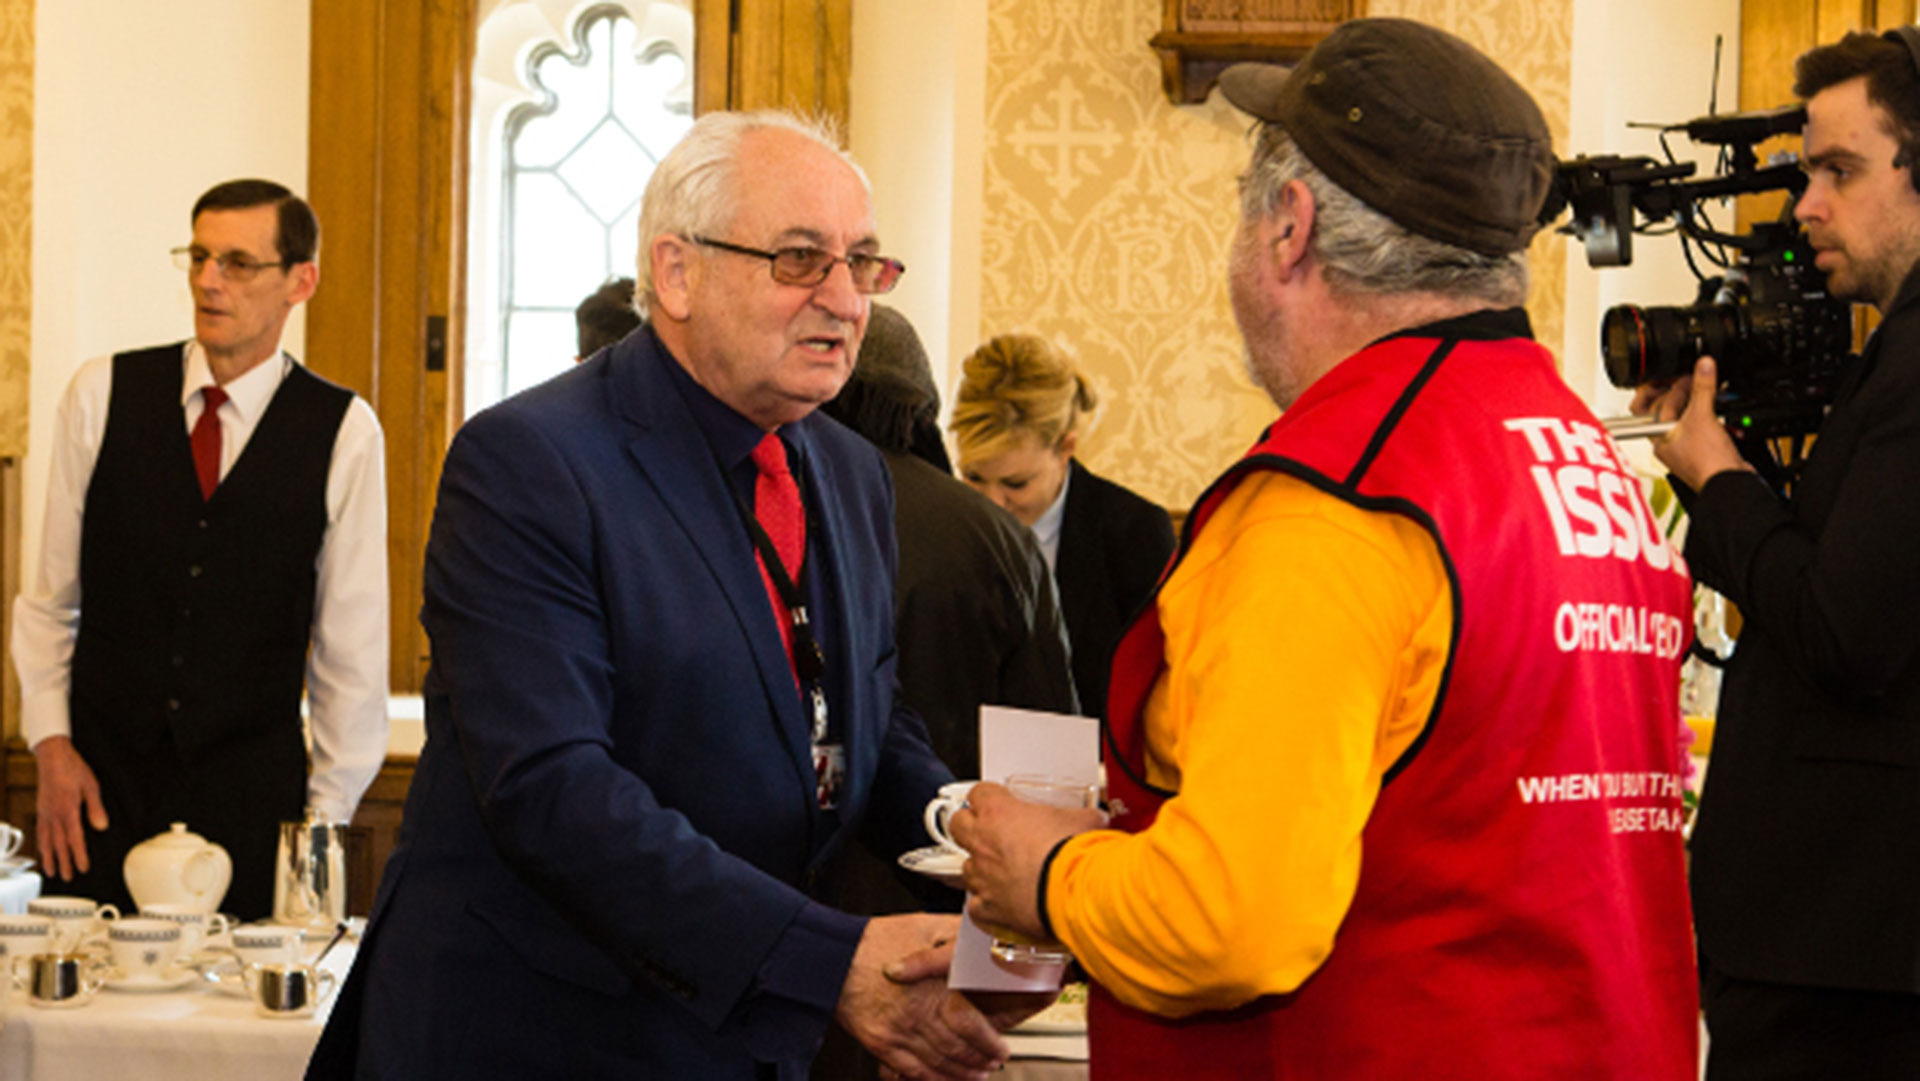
1016,422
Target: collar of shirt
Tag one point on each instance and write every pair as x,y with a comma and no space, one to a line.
248,394
1046,529
1486,325
729,435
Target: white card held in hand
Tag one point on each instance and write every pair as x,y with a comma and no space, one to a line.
1031,741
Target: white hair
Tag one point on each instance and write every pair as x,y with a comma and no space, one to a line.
692,190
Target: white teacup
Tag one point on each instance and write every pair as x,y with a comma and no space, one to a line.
195,926
952,797
10,838
266,944
23,936
143,948
75,919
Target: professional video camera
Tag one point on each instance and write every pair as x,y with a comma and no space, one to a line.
1765,317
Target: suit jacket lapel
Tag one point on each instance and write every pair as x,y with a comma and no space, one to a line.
670,451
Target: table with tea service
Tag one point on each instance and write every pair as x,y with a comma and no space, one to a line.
80,1016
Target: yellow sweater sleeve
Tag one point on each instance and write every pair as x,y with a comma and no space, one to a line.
1305,641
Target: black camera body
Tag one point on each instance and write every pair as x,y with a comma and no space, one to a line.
1765,318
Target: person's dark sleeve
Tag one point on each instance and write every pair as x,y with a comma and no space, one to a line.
798,985
1038,671
1839,605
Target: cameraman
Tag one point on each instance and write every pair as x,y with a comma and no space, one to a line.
1806,856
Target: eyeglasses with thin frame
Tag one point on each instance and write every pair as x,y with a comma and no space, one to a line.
809,267
234,266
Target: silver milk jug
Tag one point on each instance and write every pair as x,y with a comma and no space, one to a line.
310,875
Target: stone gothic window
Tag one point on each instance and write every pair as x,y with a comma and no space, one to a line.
562,152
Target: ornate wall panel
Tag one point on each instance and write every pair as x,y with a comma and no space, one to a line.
16,220
1108,213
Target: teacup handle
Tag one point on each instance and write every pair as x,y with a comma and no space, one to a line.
11,837
107,912
935,818
325,980
217,924
94,975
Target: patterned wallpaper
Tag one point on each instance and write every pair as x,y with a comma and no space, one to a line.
1108,212
16,221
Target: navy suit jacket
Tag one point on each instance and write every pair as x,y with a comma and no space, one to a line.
611,838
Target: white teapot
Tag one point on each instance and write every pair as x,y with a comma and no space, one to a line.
178,867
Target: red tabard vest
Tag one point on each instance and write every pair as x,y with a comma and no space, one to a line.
1522,910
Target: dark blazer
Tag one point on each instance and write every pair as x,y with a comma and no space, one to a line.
1806,856
611,837
1113,546
976,615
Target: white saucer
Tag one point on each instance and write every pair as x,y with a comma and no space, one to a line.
13,865
940,864
151,984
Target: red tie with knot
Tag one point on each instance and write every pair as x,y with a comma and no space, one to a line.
206,440
776,503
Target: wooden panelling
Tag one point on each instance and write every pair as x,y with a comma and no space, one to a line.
343,184
792,54
387,176
712,48
1772,34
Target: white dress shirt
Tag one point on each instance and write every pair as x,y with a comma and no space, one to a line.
347,664
1046,528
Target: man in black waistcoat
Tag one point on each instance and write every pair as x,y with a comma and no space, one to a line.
1806,856
221,510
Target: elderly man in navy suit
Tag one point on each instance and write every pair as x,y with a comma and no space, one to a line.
659,592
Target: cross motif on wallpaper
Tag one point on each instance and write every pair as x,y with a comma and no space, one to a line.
1071,128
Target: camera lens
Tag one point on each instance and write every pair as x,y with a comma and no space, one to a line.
1647,345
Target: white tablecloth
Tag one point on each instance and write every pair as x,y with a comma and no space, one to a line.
197,1034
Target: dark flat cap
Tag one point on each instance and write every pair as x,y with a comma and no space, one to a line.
1418,124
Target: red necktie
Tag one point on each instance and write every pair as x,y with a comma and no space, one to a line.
776,503
206,440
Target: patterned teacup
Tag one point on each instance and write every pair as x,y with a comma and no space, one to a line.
266,944
195,926
23,936
75,919
144,949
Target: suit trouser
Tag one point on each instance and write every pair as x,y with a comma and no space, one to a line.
234,793
1759,1031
